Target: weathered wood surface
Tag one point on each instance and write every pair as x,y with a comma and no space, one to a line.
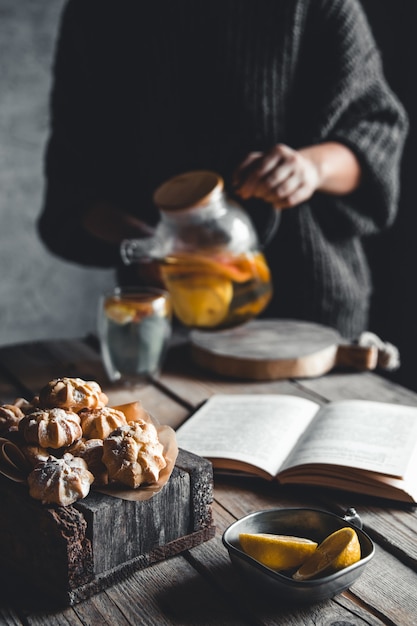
68,553
200,586
277,349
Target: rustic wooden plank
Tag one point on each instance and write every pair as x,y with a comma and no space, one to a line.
33,364
394,527
351,603
24,612
391,598
66,617
8,390
161,594
41,547
265,608
390,588
69,553
160,405
123,530
170,594
173,593
191,385
198,388
100,610
8,617
364,385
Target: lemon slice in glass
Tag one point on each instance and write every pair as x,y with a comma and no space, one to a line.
279,552
119,312
337,551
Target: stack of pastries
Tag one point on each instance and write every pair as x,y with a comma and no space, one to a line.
71,439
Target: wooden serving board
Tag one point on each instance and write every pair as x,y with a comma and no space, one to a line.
274,349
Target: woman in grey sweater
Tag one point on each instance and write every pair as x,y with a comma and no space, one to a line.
286,99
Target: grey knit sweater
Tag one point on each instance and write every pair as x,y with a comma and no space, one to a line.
139,96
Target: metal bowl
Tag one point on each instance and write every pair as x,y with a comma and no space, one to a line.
311,523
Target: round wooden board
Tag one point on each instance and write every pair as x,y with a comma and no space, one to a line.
267,350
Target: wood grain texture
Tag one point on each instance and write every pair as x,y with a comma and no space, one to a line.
199,585
69,553
274,349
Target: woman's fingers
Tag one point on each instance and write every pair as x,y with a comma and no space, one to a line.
282,176
253,171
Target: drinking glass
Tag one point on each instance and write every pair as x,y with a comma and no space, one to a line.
134,325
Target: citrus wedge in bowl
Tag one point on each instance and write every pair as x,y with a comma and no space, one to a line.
337,551
289,528
279,552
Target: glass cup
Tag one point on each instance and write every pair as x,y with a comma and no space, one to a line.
134,325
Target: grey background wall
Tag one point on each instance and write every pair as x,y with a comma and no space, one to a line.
40,296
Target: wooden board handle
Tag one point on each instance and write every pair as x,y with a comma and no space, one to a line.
358,357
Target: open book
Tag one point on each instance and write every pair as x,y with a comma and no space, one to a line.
360,446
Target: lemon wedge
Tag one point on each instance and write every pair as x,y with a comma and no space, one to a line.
279,552
201,301
119,312
337,551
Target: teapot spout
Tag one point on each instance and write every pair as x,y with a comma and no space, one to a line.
135,250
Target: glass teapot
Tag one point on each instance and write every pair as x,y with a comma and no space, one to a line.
208,253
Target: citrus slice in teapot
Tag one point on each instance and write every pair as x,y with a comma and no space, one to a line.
201,300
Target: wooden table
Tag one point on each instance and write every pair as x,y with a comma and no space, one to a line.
200,586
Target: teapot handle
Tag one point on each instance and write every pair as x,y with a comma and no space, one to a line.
273,222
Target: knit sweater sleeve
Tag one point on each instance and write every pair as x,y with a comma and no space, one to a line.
351,103
72,153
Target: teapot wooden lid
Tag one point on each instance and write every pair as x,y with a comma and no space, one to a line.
187,190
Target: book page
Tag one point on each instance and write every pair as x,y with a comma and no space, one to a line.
256,429
375,436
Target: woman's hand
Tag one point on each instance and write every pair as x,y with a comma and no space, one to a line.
286,177
282,176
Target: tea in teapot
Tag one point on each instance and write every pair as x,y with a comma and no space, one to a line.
208,253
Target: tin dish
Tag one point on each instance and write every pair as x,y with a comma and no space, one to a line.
311,523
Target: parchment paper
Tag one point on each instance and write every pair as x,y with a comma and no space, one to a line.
14,466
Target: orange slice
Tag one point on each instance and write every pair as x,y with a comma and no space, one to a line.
228,267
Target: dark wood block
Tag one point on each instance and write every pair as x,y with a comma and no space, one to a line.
67,554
